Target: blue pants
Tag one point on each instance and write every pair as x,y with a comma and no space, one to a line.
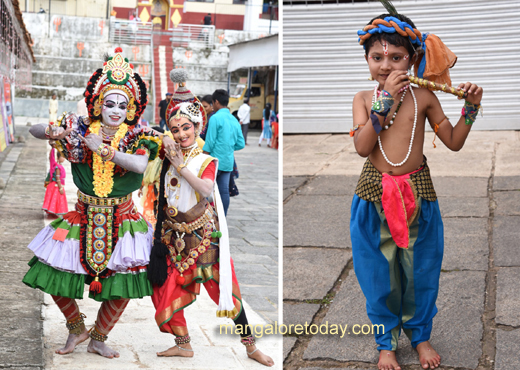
162,124
223,188
400,285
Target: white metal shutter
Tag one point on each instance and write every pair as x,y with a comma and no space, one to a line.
324,65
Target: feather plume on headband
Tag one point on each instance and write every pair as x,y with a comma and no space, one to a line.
437,59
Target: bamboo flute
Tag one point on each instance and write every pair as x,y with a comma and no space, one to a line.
430,85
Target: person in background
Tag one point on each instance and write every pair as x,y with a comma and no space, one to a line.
244,116
53,109
223,137
163,104
55,201
268,117
81,108
207,103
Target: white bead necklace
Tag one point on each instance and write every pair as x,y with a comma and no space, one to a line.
411,140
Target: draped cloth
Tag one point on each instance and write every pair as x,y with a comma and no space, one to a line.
399,205
436,62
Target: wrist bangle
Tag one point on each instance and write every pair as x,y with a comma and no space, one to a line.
48,132
180,167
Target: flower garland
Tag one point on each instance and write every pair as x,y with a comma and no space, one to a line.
104,171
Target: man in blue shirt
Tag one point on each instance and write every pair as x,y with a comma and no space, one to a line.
223,137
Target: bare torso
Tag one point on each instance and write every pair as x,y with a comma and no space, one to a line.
396,140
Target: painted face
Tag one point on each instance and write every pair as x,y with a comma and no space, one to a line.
183,131
207,107
114,109
381,64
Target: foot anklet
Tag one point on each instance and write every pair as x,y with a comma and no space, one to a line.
248,341
183,349
251,353
96,335
76,326
182,340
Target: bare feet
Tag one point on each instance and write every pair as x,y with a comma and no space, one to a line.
259,356
428,357
182,350
72,341
102,349
387,361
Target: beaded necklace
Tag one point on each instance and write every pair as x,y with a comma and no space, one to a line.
393,117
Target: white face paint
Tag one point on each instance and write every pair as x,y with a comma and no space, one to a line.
114,109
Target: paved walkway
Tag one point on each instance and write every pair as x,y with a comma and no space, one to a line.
478,324
33,331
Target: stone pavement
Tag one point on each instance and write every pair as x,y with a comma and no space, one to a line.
33,326
478,324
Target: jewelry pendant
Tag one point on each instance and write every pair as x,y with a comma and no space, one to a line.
172,211
179,245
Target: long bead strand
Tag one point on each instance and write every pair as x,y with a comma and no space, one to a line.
411,139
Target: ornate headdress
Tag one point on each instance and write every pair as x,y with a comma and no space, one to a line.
437,58
189,110
184,95
117,74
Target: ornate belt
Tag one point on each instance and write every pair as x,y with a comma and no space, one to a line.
95,201
189,227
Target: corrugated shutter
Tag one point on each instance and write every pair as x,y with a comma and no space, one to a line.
324,65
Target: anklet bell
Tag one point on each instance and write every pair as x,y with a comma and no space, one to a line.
76,326
96,335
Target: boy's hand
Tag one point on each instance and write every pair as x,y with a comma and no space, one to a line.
474,92
395,81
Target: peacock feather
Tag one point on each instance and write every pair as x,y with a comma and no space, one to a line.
389,7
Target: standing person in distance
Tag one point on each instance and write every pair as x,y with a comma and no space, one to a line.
207,103
268,116
244,117
163,104
53,109
223,137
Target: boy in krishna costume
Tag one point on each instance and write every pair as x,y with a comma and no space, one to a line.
104,242
396,227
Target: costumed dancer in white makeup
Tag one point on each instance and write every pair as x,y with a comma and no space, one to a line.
104,242
191,241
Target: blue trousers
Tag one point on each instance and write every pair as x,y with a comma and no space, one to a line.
400,285
162,124
223,188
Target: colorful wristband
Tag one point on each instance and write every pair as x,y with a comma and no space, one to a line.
470,112
383,103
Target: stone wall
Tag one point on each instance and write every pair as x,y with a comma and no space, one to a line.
67,52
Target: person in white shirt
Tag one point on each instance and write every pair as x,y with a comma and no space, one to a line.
244,115
53,109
